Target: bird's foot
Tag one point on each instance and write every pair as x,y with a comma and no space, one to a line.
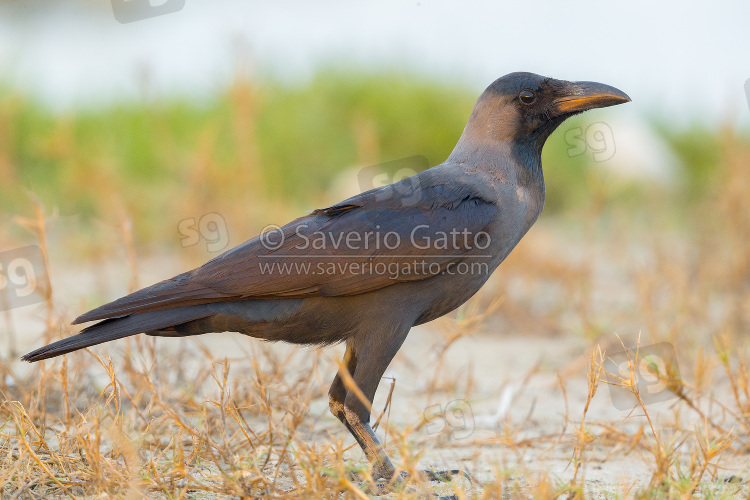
384,487
398,482
443,476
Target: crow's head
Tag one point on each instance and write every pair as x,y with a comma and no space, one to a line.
524,108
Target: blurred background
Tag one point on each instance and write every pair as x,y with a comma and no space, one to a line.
236,106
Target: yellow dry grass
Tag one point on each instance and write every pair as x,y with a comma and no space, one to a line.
174,420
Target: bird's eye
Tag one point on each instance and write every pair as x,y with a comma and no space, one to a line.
526,96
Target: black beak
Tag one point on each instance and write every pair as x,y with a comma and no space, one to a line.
582,96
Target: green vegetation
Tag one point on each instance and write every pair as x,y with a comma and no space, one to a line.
261,146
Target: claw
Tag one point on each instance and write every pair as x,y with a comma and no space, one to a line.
382,486
379,487
441,475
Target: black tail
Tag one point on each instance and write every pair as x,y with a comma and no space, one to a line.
118,328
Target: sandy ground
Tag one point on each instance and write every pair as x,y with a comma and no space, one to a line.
500,408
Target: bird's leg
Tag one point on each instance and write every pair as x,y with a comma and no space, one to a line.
357,420
337,392
373,352
361,430
354,413
382,467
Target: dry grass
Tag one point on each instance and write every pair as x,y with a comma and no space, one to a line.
173,419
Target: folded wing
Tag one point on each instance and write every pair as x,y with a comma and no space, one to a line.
406,231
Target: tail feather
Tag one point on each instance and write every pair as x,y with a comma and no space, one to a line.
118,328
175,292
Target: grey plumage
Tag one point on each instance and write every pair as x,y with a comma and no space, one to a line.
490,189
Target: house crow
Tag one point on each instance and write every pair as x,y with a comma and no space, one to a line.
368,269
